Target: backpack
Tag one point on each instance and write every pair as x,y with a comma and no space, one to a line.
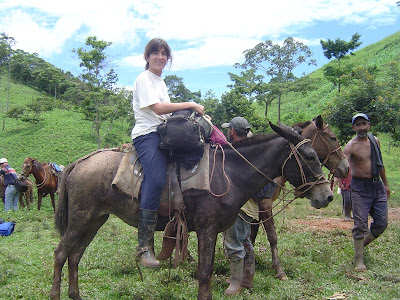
6,228
181,135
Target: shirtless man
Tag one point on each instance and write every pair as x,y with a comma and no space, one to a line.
369,188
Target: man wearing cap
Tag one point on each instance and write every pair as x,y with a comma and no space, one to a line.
369,187
238,246
11,193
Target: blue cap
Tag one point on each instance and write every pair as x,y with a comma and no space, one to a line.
359,115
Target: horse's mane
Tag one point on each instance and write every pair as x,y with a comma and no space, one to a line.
302,125
255,139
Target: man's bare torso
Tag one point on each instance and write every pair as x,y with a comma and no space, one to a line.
359,153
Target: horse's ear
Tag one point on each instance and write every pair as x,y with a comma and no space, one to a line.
319,122
287,132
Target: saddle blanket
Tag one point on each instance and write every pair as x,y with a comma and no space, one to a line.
130,175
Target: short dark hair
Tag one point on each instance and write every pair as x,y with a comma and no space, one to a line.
156,45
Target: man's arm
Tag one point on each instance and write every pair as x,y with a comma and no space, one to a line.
382,173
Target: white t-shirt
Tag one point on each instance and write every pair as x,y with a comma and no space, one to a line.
149,89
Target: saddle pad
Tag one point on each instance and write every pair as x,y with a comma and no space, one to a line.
129,176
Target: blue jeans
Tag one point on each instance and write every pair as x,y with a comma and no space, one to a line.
154,162
237,238
11,198
368,198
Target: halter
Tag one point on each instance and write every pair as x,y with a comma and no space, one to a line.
326,143
298,156
294,152
46,177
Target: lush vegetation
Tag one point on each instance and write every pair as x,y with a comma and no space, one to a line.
317,260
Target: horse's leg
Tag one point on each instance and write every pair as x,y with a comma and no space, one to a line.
268,221
27,199
30,194
76,254
60,256
39,203
206,247
21,200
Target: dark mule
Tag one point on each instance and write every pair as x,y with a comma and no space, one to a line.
46,181
28,195
329,152
86,198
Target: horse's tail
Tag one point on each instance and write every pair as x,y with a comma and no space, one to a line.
61,214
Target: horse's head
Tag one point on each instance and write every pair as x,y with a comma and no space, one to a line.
303,169
27,167
326,144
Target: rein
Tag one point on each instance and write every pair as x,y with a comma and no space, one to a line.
293,152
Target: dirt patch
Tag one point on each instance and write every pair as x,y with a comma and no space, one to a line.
315,223
394,214
325,224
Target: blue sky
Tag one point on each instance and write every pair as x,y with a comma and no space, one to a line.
207,37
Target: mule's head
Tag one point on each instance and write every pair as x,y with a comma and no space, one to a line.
303,169
327,146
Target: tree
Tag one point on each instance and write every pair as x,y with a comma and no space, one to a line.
366,94
100,105
177,90
339,50
6,43
278,62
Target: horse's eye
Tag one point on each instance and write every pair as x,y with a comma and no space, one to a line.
310,157
333,138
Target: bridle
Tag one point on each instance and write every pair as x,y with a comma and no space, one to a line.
29,171
294,152
338,150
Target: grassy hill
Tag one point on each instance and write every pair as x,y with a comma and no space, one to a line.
315,246
295,108
61,137
64,135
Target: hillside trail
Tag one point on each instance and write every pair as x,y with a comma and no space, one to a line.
314,223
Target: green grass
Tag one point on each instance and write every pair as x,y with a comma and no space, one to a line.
317,262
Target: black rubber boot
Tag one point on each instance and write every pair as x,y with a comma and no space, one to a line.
248,270
146,228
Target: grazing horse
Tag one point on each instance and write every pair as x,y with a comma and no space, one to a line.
46,181
87,199
329,152
28,195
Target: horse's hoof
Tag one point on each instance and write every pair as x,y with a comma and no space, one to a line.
282,276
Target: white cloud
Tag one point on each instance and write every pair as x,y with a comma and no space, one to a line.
204,33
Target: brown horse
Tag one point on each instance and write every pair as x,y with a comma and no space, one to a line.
46,181
329,152
87,199
28,195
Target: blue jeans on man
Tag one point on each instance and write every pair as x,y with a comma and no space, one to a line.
11,198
